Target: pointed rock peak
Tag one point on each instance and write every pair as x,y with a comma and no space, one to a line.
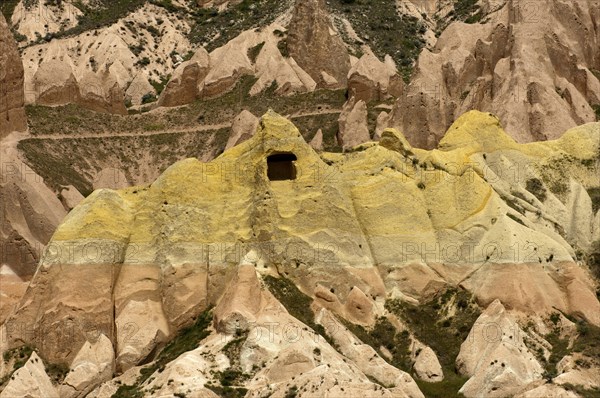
394,140
12,114
311,43
242,129
242,301
480,130
353,124
94,364
495,308
317,141
274,126
30,381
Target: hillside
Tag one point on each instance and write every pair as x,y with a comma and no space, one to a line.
299,198
187,271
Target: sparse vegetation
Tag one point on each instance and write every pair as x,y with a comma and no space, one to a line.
588,340
186,340
19,356
67,161
292,392
283,48
7,7
596,109
214,29
254,51
167,5
149,98
515,218
535,186
379,25
431,325
227,392
582,391
296,302
385,335
100,13
559,350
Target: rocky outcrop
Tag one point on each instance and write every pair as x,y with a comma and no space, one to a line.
317,141
496,357
255,334
30,381
366,358
70,197
12,113
514,65
372,80
548,391
232,61
13,288
427,366
101,92
380,124
30,214
94,363
55,84
184,86
242,129
353,129
95,69
315,46
34,19
156,256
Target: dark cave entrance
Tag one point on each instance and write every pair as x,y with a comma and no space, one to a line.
281,167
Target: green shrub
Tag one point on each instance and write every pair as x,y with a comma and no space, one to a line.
148,98
596,109
400,36
160,85
214,29
426,321
296,303
7,7
536,187
254,51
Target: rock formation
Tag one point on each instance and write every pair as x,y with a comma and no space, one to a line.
315,46
353,129
30,212
12,114
184,86
30,381
454,195
515,65
93,364
95,69
317,141
242,129
427,366
496,357
372,80
278,268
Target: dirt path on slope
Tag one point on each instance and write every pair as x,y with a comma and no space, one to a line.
189,129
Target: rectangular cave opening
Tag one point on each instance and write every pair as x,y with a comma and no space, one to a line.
280,167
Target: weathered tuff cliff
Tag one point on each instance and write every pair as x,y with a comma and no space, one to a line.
29,210
534,64
383,223
12,114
